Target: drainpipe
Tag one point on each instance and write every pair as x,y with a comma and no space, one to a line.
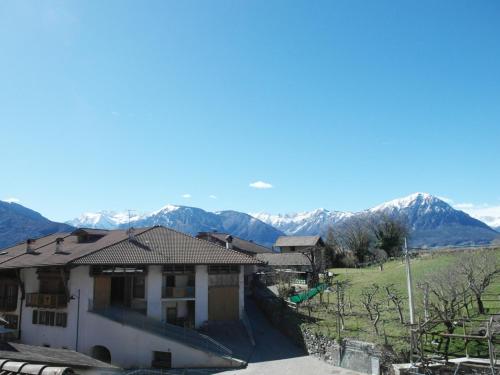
77,321
21,285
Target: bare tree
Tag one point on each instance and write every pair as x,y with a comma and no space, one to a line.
315,255
389,233
479,269
340,287
373,304
397,299
357,238
446,288
380,257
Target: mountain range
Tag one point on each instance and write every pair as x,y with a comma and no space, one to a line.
432,222
18,223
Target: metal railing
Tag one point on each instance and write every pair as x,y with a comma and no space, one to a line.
46,300
183,335
178,292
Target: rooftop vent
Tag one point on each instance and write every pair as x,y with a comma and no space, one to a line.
59,245
29,245
229,242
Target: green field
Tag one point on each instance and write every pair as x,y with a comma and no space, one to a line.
392,332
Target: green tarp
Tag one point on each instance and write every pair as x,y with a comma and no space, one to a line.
299,298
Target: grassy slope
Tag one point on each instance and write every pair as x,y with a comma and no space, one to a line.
358,326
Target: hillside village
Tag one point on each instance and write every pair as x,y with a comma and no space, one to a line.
249,187
189,302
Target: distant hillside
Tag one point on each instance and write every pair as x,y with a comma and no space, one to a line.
18,223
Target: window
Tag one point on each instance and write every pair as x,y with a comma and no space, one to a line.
162,360
49,318
139,287
292,248
170,281
61,319
223,268
46,317
178,268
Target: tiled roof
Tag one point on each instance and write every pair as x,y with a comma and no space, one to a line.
284,259
160,245
154,245
238,243
298,241
44,250
50,356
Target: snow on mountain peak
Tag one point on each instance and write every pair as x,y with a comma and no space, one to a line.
165,209
414,199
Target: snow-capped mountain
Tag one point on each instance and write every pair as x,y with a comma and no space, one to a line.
432,221
304,223
102,220
185,219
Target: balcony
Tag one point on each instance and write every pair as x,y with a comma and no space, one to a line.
177,292
44,300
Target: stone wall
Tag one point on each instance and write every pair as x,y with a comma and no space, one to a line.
350,354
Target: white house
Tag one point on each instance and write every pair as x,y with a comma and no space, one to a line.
132,298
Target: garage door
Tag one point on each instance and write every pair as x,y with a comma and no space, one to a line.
223,303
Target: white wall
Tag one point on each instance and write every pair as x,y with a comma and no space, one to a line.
58,337
241,290
154,282
201,294
128,346
131,347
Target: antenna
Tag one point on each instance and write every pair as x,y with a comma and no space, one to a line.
129,217
130,229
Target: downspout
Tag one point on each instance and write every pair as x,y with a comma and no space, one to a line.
21,285
77,322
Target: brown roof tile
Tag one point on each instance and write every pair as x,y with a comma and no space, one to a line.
154,245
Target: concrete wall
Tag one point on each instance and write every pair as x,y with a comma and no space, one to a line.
154,282
201,293
241,290
132,347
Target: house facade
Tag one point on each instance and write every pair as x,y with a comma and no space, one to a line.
243,246
132,298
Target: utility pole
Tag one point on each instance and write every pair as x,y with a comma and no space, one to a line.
338,310
409,283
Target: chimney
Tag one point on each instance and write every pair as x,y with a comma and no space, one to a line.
131,234
29,245
229,242
59,245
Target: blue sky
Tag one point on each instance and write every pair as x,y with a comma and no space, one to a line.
336,104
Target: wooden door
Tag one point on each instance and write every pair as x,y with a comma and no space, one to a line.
223,303
102,292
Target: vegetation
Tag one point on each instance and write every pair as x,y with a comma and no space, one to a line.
374,304
361,241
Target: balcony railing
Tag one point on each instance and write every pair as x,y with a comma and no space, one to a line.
51,301
178,292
